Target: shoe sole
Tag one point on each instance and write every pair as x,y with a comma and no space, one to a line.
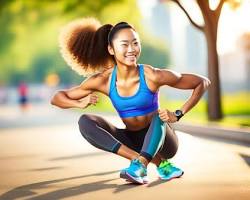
178,176
132,179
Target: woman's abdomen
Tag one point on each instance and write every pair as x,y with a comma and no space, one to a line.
138,122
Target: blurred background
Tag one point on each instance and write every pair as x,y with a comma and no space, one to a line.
42,152
32,67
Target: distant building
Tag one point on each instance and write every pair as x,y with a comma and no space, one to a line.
196,51
187,45
235,67
161,22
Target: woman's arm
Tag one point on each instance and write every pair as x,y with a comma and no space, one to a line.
62,100
78,97
197,83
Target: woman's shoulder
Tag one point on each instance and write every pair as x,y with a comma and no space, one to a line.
149,72
100,80
156,73
102,76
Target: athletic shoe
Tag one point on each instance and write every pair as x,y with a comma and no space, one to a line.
135,173
168,171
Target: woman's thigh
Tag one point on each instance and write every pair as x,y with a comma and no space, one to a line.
97,123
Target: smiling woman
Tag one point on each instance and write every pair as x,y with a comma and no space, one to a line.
111,53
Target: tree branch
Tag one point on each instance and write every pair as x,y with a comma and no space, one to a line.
217,11
201,28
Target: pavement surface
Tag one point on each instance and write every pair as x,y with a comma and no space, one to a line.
44,156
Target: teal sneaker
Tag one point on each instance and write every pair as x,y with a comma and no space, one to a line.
135,173
168,171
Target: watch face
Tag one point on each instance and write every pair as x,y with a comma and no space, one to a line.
178,112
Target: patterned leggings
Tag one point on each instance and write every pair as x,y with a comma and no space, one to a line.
159,137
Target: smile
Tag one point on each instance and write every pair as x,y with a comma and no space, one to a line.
131,56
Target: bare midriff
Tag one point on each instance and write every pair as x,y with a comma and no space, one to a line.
138,122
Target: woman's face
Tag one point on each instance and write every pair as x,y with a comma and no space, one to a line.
126,47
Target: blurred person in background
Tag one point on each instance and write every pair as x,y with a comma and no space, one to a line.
108,55
23,96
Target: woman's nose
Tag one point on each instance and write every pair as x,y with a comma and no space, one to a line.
130,48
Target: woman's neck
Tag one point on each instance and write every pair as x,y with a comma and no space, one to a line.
125,72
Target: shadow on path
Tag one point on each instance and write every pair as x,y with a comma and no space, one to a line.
79,156
246,158
29,191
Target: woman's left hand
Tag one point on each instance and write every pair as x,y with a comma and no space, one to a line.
167,116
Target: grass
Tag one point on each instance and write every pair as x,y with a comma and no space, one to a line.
235,107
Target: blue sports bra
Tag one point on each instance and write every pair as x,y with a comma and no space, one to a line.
142,102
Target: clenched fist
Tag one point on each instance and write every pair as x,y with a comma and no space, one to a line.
88,100
167,116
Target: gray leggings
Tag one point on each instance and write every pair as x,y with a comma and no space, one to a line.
158,137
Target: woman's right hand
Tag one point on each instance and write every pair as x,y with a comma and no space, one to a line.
85,102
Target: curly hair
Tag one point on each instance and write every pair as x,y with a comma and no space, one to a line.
84,45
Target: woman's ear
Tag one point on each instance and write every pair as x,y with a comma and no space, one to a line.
111,50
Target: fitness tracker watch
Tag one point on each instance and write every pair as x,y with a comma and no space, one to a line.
179,114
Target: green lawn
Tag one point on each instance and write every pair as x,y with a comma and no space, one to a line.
236,110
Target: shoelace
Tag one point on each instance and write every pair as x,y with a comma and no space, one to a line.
138,163
165,166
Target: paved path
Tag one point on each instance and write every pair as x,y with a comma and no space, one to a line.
53,161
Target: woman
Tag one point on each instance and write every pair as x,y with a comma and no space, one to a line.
23,95
110,53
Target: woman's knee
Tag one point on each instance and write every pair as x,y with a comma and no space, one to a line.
95,134
84,119
85,122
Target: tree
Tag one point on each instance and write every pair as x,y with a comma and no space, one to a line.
209,28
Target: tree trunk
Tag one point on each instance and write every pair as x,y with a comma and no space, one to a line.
214,95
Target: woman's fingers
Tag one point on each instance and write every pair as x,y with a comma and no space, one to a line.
93,95
166,115
93,98
93,101
163,116
163,113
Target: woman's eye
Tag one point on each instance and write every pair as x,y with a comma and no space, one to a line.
124,45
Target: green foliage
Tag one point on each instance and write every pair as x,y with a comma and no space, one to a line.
154,54
29,36
86,6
